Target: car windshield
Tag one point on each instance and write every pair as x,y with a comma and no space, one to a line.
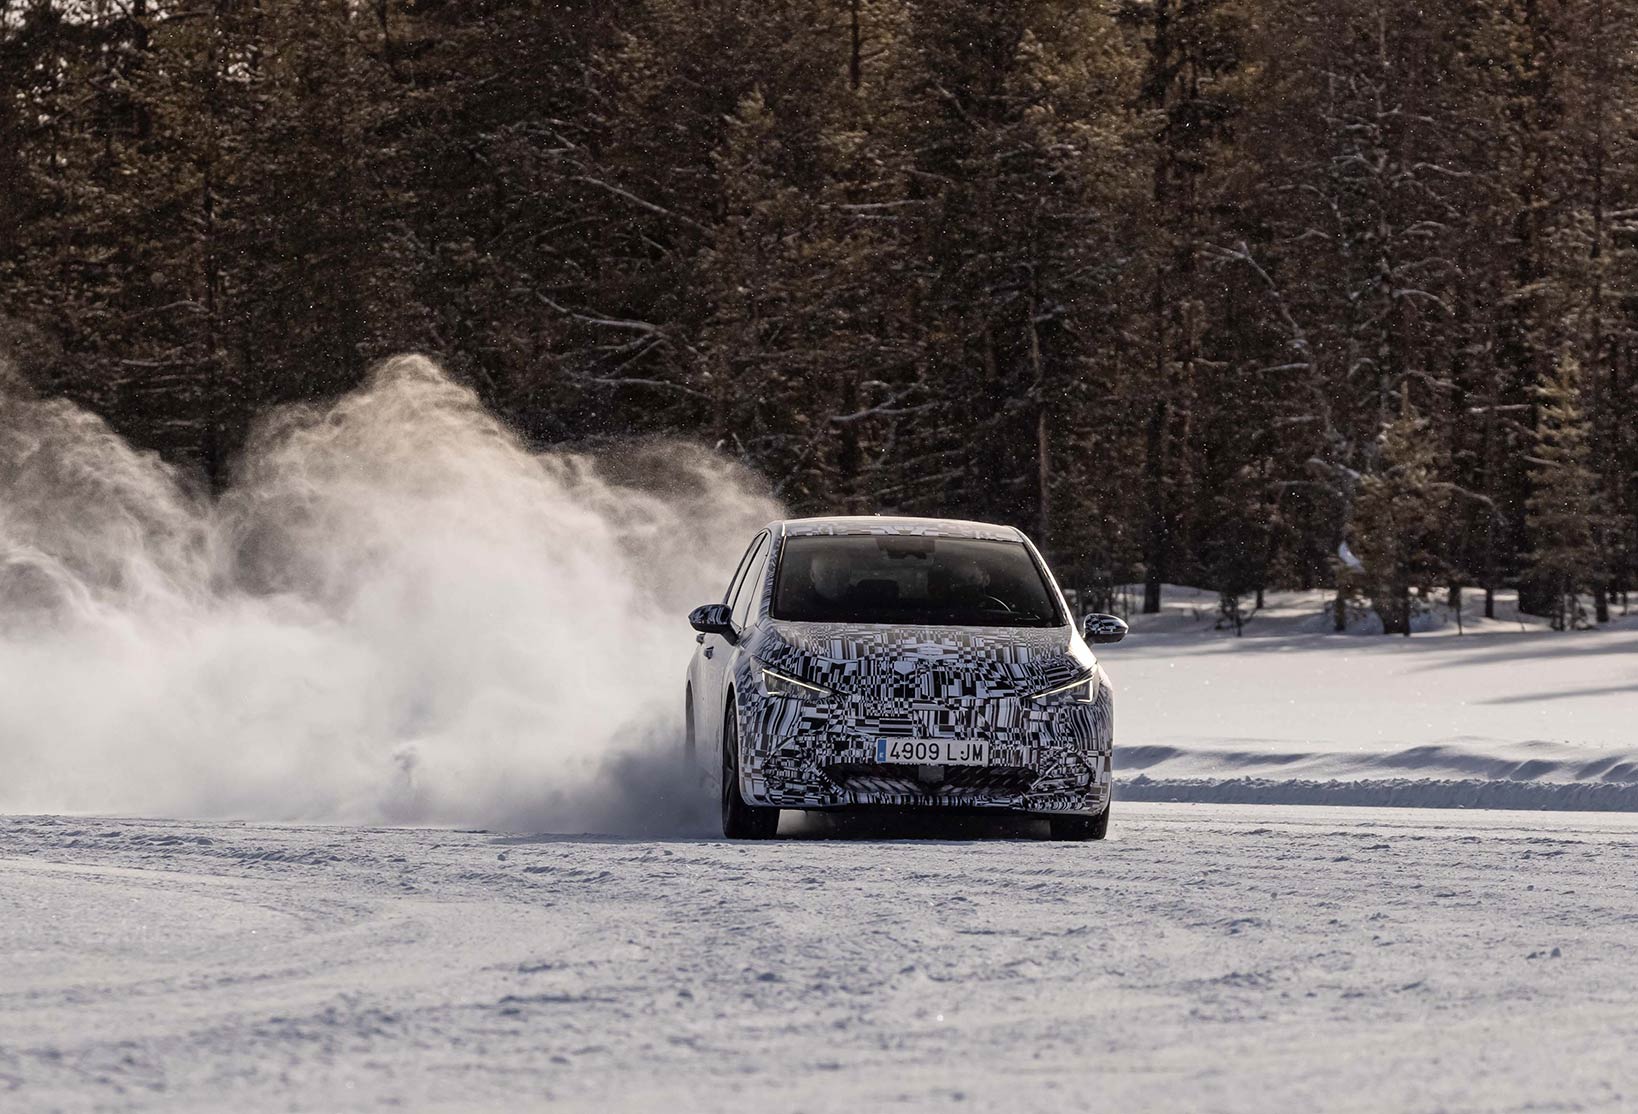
910,580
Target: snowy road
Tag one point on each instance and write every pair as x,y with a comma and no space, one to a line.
1206,957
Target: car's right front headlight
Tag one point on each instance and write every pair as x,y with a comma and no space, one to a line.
779,684
1082,690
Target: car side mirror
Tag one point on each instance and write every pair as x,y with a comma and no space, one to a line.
713,618
1101,628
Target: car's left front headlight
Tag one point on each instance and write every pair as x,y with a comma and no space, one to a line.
780,684
1082,690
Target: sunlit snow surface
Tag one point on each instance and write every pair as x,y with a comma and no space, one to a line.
1223,958
1505,714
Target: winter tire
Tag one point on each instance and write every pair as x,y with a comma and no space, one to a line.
740,820
1081,828
689,743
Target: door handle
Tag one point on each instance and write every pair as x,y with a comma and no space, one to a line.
710,650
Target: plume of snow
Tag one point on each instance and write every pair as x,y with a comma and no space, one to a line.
394,613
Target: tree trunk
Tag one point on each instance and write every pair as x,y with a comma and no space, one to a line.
388,54
1599,369
1043,472
213,441
855,58
1394,612
849,454
1537,596
1043,440
1156,540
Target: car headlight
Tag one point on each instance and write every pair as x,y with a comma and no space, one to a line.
779,684
1082,690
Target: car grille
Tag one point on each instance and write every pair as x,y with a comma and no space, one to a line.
952,781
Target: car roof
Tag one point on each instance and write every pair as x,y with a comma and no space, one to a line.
884,524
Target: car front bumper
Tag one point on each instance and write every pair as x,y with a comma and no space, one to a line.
1043,759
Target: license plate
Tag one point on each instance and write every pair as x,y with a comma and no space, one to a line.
934,752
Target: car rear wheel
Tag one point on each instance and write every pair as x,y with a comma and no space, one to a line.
1080,828
740,820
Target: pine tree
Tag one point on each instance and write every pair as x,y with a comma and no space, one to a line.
1546,88
1234,546
1010,118
1398,521
797,351
1562,510
1194,47
1597,258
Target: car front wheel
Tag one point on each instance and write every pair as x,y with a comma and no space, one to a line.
689,742
1080,828
740,820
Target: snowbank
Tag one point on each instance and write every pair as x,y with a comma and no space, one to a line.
1507,714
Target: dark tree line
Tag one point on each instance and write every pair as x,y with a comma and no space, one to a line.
1194,290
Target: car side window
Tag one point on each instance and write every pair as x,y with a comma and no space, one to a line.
739,569
749,584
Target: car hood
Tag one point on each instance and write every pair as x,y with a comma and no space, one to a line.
922,664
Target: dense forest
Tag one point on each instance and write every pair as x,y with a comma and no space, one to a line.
1239,293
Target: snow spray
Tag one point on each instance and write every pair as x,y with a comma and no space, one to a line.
394,613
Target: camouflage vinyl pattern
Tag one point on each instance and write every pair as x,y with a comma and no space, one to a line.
918,682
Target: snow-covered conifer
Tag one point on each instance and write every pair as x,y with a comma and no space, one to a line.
1562,512
1398,523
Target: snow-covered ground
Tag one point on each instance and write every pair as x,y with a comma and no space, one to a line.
1504,714
1217,956
1205,958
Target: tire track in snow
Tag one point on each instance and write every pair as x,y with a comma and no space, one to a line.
1236,958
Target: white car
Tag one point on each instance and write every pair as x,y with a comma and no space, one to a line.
875,662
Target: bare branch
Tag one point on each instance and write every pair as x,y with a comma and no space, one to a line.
641,204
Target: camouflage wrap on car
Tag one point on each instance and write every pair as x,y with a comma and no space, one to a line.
921,683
